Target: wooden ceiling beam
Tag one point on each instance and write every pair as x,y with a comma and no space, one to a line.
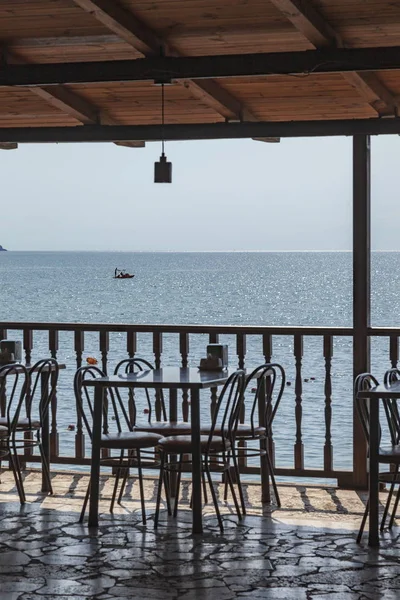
69,102
124,24
306,19
136,33
200,131
167,69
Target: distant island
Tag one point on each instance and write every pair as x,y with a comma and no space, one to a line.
3,249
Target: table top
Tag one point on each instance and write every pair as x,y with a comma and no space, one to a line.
165,378
382,391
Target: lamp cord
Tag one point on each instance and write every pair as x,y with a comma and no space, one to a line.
162,116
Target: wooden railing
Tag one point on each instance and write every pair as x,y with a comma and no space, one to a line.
72,343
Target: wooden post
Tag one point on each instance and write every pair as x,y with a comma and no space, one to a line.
361,289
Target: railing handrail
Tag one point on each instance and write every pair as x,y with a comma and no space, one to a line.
383,331
206,329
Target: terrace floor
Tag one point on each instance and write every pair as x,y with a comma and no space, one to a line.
306,550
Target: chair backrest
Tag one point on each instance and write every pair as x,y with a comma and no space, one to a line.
271,381
43,388
134,365
227,411
392,406
14,385
364,382
85,402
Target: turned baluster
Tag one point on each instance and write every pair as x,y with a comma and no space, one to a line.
184,350
157,351
267,352
79,346
394,351
3,395
328,450
54,437
131,348
104,346
298,447
28,345
213,339
241,353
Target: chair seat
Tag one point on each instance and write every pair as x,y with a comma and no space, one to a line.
182,444
389,454
129,440
23,423
244,431
166,428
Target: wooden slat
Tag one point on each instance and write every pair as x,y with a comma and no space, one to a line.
71,103
305,17
126,25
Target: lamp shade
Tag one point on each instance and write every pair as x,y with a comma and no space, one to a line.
163,170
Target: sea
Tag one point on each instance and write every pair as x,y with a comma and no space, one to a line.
225,288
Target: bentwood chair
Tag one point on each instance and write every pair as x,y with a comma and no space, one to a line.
388,455
215,447
26,411
161,424
132,446
271,381
154,408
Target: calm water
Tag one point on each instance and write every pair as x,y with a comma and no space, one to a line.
209,288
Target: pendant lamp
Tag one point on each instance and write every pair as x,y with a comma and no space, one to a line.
162,168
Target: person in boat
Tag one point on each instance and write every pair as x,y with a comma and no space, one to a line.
116,272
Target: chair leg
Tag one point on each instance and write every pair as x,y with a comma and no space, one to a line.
117,478
178,485
14,454
140,473
364,519
82,515
160,482
213,494
45,468
238,480
389,498
203,480
395,507
125,478
232,488
275,487
167,489
17,480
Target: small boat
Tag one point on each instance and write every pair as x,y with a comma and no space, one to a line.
123,276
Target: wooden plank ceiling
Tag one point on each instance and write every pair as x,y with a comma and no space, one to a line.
57,31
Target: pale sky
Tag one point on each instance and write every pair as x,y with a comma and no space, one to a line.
225,195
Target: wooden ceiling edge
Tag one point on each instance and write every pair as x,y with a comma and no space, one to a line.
140,36
200,131
68,102
8,146
305,17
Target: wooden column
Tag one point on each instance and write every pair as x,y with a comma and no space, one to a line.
361,288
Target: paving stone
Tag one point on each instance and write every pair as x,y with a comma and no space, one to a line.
208,594
13,558
50,555
276,593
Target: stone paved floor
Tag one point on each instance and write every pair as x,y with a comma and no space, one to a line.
306,550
